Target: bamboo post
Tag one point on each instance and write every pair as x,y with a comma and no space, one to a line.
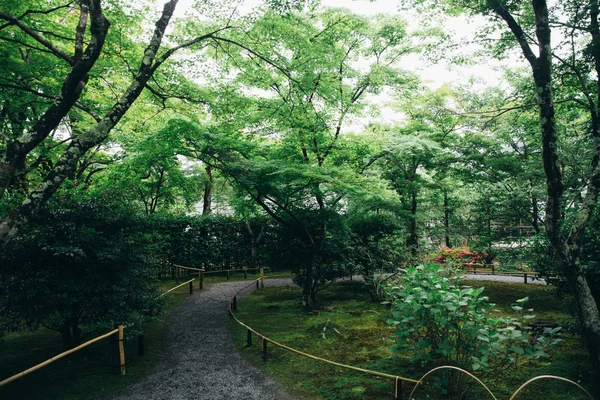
191,287
202,279
249,338
118,352
398,389
264,346
262,278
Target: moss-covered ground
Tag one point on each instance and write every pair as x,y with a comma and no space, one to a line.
349,328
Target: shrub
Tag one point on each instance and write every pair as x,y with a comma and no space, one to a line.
78,267
441,323
459,257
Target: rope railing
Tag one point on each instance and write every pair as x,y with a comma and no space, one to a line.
120,360
190,282
397,379
118,347
233,306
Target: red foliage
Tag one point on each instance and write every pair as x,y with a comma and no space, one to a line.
459,256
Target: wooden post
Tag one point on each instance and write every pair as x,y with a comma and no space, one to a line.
118,352
249,338
257,284
177,274
191,287
474,269
234,304
264,346
202,279
245,277
493,269
398,389
525,277
227,274
262,278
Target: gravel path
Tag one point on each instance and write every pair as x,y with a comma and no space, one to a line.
201,360
505,278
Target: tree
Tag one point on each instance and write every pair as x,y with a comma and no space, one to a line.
527,28
76,59
291,175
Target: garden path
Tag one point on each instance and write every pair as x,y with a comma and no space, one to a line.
201,360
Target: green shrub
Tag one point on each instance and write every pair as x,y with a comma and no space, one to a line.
441,323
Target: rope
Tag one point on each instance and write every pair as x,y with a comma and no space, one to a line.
366,371
177,287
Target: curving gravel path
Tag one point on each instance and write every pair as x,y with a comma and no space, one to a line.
201,360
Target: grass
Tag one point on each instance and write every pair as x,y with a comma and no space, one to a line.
85,374
346,327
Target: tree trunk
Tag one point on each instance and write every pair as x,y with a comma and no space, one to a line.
566,245
208,188
70,334
308,288
412,242
65,335
446,220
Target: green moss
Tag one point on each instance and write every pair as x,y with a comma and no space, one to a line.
346,327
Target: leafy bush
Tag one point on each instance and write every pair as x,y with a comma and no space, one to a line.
80,266
459,257
441,323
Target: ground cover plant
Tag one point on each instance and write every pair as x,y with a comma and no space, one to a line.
349,328
85,374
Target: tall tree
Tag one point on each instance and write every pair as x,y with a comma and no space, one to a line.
36,34
527,28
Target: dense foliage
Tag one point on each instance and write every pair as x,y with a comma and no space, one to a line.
258,119
79,267
442,323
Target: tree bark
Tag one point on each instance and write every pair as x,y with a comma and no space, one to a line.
208,188
446,220
566,245
412,242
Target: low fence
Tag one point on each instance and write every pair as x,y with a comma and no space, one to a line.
398,380
117,348
492,269
202,273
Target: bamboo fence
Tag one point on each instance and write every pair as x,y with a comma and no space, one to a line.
118,348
